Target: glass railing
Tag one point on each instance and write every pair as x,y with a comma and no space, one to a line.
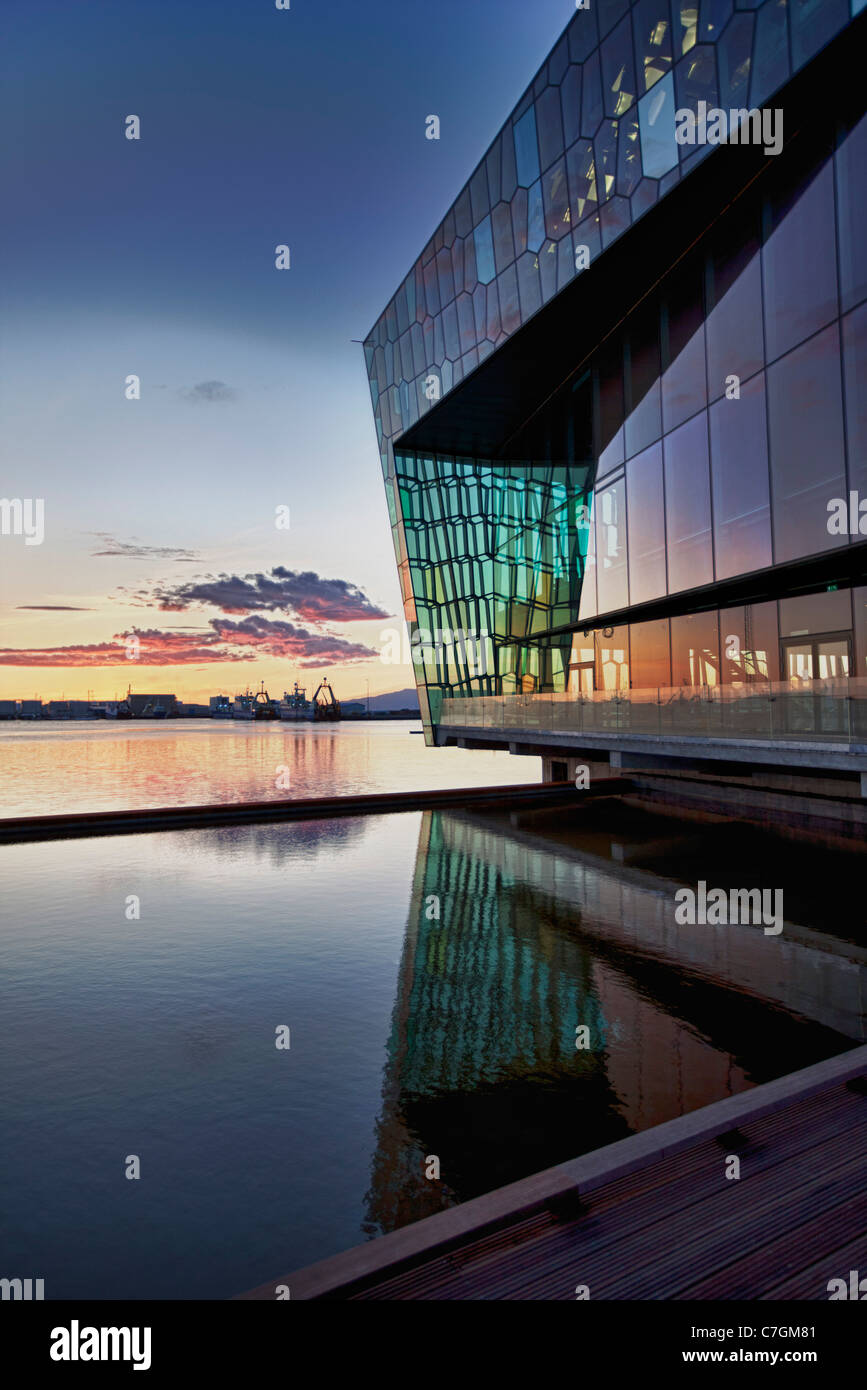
832,710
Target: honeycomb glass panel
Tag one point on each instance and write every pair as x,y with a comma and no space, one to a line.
656,124
651,29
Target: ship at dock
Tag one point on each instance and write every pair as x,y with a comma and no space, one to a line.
295,706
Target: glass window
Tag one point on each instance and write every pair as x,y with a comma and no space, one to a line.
646,526
739,472
685,24
582,179
770,67
526,148
612,659
806,428
651,24
695,649
800,265
650,655
859,599
735,343
535,218
828,611
479,194
618,71
749,644
556,195
644,421
687,506
684,387
733,52
510,310
484,244
588,606
851,162
611,579
855,381
550,129
529,285
814,22
656,123
570,100
610,366
501,224
591,107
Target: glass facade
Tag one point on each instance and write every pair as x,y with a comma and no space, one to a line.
704,439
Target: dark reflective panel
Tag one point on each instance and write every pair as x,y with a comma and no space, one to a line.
735,344
739,471
771,55
611,579
526,148
855,381
814,22
581,168
556,200
501,224
650,654
651,27
644,421
646,525
800,265
851,162
806,428
570,102
684,387
618,71
733,53
695,649
549,126
610,368
591,107
687,506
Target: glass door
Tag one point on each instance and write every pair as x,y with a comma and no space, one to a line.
812,664
582,679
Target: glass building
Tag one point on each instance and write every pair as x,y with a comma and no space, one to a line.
620,397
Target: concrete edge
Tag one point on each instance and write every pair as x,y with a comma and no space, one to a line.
834,756
519,1200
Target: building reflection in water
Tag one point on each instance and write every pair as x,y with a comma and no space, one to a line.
542,930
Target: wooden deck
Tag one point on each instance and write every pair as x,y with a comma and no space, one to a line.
653,1216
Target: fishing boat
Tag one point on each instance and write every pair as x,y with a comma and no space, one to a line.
325,702
243,705
295,706
263,706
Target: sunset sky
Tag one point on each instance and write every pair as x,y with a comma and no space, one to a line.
156,258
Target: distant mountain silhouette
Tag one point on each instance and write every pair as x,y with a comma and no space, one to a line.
396,699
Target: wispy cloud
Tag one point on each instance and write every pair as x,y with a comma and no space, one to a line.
52,608
210,392
224,641
134,550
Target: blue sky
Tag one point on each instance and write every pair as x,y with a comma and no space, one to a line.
156,257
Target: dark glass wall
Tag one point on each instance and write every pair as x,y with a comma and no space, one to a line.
747,371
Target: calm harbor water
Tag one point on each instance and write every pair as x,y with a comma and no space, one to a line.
432,969
98,766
